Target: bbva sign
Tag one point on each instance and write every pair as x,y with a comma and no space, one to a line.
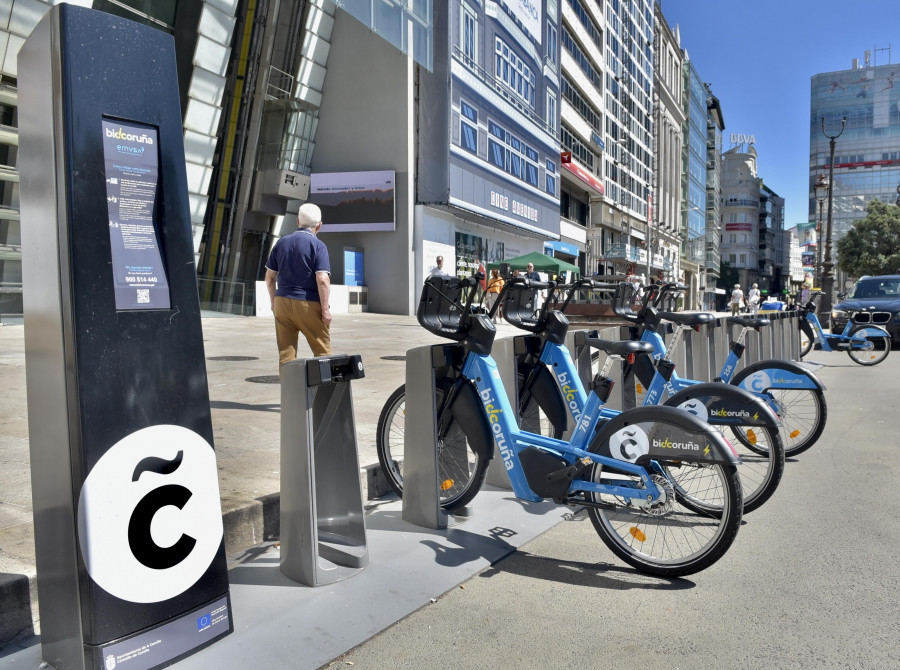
737,138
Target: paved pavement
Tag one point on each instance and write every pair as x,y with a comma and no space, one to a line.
246,425
810,583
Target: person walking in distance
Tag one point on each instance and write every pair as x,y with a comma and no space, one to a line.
495,285
438,270
753,299
299,267
737,297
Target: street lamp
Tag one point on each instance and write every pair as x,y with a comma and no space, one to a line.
821,191
827,265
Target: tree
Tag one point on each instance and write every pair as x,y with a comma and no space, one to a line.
728,276
872,245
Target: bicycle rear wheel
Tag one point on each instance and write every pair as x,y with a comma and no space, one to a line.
461,470
881,347
762,461
677,539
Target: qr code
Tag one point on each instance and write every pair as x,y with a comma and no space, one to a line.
143,295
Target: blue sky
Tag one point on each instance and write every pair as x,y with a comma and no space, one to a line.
759,57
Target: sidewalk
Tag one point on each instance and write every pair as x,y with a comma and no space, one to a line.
246,425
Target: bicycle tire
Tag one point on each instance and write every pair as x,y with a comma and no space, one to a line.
762,467
677,543
461,470
872,356
807,339
803,414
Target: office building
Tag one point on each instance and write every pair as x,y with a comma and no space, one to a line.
867,153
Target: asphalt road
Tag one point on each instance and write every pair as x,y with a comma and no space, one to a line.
811,582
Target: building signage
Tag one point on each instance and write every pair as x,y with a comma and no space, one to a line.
738,226
739,138
585,176
528,12
520,209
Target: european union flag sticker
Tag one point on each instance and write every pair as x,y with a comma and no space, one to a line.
204,622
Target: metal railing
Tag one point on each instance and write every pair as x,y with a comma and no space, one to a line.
219,295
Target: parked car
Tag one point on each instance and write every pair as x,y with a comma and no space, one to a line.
871,300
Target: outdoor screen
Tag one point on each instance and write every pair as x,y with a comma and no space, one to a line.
354,201
131,159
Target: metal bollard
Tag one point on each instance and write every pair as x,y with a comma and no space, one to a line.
323,531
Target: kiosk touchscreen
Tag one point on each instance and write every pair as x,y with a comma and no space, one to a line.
129,547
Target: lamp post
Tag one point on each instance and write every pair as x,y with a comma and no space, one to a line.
827,265
821,191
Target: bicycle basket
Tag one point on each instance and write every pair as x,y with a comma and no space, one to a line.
439,310
624,299
519,306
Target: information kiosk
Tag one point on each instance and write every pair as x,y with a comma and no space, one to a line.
128,529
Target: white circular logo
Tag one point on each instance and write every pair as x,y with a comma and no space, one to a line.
757,382
695,407
149,514
629,444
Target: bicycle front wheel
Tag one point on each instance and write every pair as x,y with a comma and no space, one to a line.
460,470
803,413
881,347
676,539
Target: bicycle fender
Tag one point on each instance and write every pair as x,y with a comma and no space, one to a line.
549,398
467,410
643,434
723,404
776,374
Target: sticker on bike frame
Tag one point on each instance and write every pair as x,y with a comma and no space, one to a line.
773,378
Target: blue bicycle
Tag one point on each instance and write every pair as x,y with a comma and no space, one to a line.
865,343
660,485
792,392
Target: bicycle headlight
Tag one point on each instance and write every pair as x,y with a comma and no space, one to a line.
839,314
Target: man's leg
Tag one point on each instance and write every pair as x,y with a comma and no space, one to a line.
318,335
287,330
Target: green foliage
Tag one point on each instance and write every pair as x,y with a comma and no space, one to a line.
872,245
728,276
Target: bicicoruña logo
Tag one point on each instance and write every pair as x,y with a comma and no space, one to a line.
149,514
629,444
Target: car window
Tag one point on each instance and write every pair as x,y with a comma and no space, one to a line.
876,288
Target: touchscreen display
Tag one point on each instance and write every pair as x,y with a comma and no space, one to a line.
131,158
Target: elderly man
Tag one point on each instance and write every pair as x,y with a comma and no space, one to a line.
300,268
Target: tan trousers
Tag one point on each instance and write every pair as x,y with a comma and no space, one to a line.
293,317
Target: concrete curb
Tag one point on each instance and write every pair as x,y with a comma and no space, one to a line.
15,614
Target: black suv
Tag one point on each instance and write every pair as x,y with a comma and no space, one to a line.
873,300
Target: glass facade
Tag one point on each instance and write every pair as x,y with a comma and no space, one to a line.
694,189
867,154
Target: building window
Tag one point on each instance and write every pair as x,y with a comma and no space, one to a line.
468,32
552,110
512,71
468,127
512,155
743,260
552,43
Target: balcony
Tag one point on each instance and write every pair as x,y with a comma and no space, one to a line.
622,251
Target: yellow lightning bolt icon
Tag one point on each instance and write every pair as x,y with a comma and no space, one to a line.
756,416
706,451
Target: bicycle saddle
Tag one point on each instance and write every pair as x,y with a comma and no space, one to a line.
619,348
687,319
750,321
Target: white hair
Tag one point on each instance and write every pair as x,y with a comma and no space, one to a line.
308,216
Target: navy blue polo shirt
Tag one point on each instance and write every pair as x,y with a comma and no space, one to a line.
297,258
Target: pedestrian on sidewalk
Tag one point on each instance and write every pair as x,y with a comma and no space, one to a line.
298,277
495,285
753,299
737,298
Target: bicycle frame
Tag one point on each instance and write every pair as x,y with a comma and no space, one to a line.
482,371
762,380
825,339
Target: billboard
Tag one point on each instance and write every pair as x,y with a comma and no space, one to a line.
354,201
